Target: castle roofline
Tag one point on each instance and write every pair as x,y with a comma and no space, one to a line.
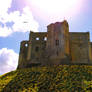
37,32
79,32
64,21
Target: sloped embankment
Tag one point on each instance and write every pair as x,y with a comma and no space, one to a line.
62,78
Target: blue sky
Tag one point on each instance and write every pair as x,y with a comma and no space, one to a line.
37,15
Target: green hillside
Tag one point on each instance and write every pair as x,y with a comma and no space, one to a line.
62,78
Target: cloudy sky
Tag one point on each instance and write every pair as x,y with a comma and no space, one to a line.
18,17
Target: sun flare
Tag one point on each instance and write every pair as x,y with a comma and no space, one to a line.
55,8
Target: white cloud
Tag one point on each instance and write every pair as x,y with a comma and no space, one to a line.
8,60
22,22
5,31
4,5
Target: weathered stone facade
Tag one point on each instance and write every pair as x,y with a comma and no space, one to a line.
56,46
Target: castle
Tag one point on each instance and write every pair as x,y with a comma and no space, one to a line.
56,46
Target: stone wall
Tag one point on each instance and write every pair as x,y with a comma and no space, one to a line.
79,47
56,46
37,47
90,51
23,54
58,42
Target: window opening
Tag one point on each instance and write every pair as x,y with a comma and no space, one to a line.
26,45
37,38
37,49
57,42
45,38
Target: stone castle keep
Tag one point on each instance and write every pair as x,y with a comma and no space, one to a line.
56,46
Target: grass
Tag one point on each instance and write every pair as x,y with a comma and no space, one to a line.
62,78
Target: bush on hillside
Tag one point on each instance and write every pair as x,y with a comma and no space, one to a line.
62,78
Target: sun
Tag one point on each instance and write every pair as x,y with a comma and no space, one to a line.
54,5
55,8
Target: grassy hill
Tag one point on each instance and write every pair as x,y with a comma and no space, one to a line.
62,78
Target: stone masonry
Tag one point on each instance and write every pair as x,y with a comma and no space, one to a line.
56,46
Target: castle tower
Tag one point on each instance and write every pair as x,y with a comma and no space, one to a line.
58,42
23,54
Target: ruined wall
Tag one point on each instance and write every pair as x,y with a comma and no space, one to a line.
56,46
23,54
58,42
33,52
79,47
36,49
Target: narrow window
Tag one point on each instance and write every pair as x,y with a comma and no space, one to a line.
57,42
37,38
45,38
37,49
26,45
